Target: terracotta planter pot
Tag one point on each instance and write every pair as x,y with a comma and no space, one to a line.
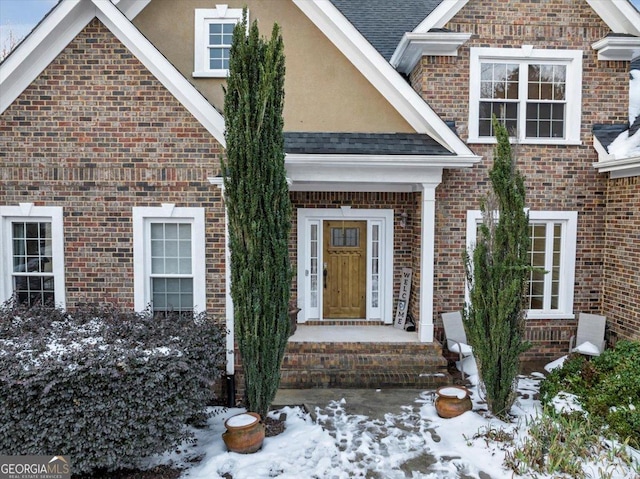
245,433
451,401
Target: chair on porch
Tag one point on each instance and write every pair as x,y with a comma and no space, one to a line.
456,337
589,339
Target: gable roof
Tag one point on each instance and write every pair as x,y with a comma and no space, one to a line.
382,22
64,22
379,72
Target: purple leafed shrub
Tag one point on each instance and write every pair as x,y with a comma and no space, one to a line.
104,386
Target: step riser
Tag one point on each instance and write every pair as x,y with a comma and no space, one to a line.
363,365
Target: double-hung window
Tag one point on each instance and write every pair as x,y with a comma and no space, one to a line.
549,291
169,273
213,36
32,246
535,93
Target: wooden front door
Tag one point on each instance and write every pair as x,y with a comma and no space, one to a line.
344,269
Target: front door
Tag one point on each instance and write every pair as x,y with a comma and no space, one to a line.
344,273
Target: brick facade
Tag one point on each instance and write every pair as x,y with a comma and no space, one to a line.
97,134
557,177
621,281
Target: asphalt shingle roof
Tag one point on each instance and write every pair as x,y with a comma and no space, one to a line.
383,22
362,144
607,133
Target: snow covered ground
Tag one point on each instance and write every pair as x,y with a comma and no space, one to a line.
414,443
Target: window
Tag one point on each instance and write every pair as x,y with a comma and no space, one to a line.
552,252
536,94
31,240
213,35
169,271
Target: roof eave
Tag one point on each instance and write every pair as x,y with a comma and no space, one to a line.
616,167
617,48
619,15
413,46
384,161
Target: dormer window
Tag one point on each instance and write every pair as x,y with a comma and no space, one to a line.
535,93
213,36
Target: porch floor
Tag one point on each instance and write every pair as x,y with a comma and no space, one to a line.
352,334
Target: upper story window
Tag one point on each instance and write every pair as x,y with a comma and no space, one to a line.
31,242
535,93
213,36
552,252
169,257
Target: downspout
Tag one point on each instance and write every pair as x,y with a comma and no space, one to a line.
231,383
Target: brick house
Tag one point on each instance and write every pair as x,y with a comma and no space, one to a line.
111,135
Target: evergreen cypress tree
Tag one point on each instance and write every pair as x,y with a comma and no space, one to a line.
497,273
259,208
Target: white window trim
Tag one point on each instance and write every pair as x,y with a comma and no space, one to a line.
141,256
569,220
384,219
572,59
27,211
203,17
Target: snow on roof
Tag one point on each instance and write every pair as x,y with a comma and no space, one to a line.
627,144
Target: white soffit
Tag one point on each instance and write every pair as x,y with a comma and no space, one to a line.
617,48
413,46
619,15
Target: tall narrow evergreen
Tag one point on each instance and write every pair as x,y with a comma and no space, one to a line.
259,208
497,273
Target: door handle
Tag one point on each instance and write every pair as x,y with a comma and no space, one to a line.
324,276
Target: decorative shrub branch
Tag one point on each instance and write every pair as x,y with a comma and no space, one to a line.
104,386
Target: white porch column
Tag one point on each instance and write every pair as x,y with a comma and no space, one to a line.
427,259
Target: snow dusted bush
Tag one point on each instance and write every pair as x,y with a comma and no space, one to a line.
101,385
607,387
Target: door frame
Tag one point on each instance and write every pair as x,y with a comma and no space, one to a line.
382,219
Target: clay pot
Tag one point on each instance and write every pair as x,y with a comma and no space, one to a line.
245,433
451,401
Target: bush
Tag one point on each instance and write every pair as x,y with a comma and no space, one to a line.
608,388
104,386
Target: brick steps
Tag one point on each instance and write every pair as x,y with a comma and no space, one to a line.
363,365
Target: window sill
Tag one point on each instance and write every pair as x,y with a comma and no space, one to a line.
211,74
549,315
526,141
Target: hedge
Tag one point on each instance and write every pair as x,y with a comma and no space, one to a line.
104,386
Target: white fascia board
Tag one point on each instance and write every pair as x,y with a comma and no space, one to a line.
619,15
131,8
617,48
380,73
440,15
365,162
413,46
616,167
161,68
41,47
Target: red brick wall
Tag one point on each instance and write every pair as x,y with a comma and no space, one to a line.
557,177
97,134
621,300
